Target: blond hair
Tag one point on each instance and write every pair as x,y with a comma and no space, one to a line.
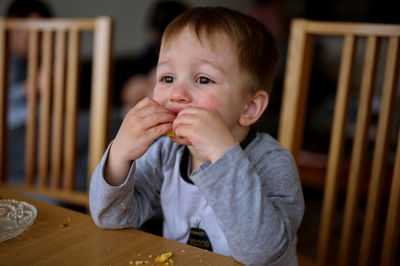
257,52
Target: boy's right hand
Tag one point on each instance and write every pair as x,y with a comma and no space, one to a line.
143,124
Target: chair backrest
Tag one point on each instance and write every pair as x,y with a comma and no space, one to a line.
374,151
54,58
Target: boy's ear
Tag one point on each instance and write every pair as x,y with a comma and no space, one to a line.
254,108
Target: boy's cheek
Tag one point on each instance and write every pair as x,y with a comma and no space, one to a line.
211,102
158,98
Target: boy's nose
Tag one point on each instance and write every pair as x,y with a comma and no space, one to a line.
180,94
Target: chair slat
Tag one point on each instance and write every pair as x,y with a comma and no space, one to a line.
380,152
336,148
58,119
45,107
391,234
358,153
30,152
300,53
3,103
42,24
100,91
340,28
71,109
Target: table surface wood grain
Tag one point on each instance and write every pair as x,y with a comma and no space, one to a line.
61,236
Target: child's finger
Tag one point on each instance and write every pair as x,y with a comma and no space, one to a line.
148,110
186,119
181,135
159,130
146,102
155,119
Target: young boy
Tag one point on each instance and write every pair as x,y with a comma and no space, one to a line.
221,184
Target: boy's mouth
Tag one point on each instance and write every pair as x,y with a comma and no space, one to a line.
175,111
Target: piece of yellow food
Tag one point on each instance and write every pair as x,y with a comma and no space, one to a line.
170,134
139,262
163,257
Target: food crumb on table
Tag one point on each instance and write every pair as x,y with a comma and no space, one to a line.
163,257
63,225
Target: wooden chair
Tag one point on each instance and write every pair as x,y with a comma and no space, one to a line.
54,47
374,156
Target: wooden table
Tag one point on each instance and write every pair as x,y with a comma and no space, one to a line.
81,242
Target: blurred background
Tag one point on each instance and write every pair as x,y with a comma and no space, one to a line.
130,16
132,20
133,29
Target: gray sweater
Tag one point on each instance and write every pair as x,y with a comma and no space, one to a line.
250,198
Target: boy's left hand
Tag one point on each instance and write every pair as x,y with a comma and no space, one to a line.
204,130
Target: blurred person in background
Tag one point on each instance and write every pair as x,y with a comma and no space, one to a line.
18,48
142,82
18,52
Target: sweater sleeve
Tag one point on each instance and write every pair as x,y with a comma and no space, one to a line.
258,200
129,204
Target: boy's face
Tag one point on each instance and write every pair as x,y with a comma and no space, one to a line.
206,75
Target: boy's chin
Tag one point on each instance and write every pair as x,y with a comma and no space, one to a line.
180,140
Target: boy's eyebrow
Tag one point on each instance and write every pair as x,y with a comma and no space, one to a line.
215,65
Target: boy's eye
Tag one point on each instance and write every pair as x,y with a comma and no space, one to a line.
167,79
204,80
